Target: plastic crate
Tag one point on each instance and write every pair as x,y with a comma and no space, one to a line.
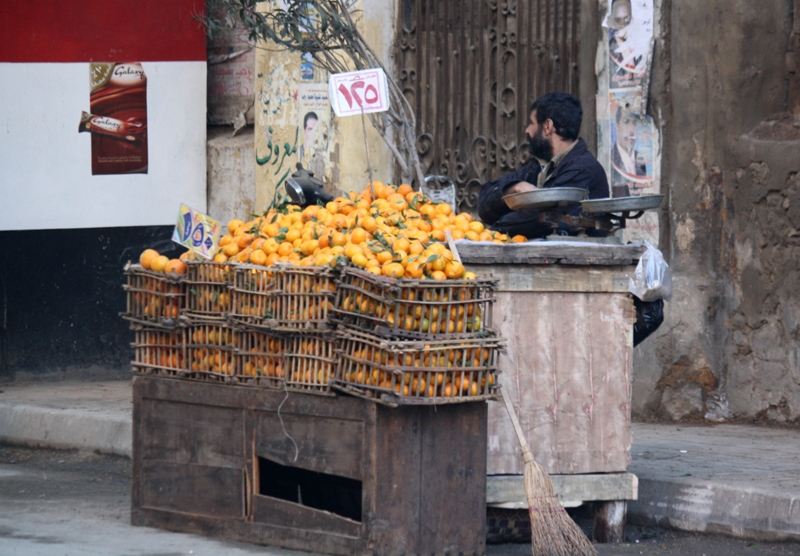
417,372
413,308
259,359
311,362
208,295
282,298
159,352
153,298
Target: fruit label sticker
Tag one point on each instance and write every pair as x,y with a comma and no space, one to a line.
359,92
198,232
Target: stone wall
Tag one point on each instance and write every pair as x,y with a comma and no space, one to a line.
729,343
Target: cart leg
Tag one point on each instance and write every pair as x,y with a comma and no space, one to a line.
609,521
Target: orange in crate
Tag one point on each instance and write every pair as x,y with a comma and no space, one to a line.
310,362
413,372
159,352
259,359
413,308
207,289
210,351
282,298
153,298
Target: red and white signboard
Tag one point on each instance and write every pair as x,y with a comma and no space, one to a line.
359,92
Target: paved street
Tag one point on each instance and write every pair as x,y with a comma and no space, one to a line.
78,504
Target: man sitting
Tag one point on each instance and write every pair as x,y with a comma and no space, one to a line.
558,159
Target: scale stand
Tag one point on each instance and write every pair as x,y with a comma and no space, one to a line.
605,221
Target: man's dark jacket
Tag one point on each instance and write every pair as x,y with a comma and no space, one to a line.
579,168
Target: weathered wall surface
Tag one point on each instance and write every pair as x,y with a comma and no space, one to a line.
231,173
732,328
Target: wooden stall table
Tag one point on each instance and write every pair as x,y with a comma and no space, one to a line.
565,310
324,474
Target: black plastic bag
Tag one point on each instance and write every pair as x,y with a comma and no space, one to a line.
649,316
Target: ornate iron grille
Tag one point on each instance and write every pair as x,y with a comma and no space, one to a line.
471,69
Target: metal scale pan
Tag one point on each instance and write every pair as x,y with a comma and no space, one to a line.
619,205
539,199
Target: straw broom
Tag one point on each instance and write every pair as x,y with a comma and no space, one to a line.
553,533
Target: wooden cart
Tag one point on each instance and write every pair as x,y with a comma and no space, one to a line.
327,474
565,310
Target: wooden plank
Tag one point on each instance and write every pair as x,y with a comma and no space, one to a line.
567,370
557,278
191,433
548,252
392,517
452,513
219,395
193,489
508,491
281,513
258,533
324,444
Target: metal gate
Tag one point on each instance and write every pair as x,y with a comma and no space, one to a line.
471,69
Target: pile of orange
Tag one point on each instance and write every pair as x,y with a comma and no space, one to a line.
398,233
150,259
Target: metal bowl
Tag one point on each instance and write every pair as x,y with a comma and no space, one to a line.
545,198
622,204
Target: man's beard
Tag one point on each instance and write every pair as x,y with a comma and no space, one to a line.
540,147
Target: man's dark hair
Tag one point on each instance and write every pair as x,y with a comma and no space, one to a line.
564,110
309,116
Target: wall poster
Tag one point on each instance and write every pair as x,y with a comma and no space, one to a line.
631,155
118,118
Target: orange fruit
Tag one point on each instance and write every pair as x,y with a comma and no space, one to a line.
519,239
454,270
146,258
393,270
245,240
234,224
404,189
477,227
258,257
444,209
384,256
175,266
159,263
358,235
359,260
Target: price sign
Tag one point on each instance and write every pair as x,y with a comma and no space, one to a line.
357,92
197,231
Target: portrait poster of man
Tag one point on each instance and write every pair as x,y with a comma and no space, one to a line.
314,113
630,32
632,146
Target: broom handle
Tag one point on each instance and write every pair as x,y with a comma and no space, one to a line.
526,450
452,244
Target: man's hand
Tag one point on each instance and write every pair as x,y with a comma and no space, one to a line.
521,187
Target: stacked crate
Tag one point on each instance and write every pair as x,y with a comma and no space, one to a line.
154,303
415,341
313,329
288,306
